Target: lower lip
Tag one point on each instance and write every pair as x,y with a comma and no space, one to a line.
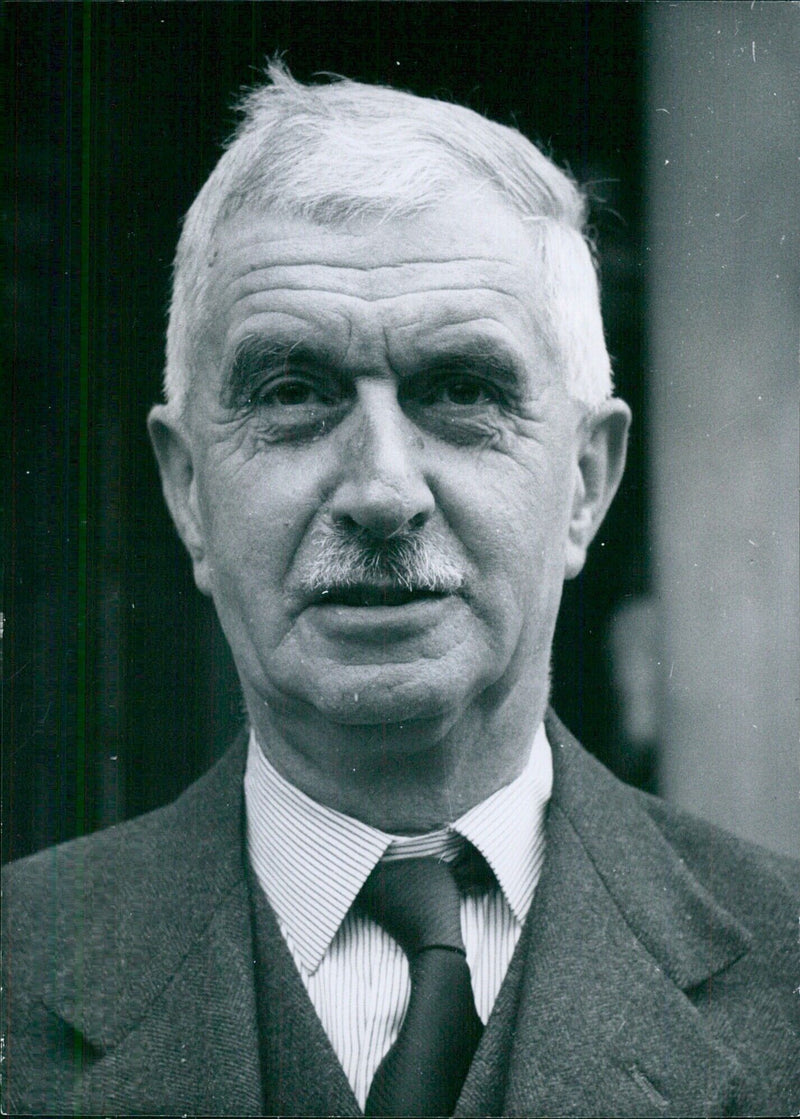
380,622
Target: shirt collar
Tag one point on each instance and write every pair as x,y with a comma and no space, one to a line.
311,861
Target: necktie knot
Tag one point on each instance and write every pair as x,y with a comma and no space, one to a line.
417,901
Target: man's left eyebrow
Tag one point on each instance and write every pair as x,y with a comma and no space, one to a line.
477,360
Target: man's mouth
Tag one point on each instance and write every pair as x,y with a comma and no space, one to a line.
374,595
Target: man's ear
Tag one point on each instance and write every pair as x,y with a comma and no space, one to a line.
173,451
601,461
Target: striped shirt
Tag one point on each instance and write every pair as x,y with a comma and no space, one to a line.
312,861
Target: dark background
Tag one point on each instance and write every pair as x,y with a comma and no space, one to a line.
117,685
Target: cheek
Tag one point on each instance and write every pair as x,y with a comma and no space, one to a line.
251,525
512,516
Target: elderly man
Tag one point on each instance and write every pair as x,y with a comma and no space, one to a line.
389,436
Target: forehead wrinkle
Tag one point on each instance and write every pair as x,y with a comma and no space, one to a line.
241,247
478,288
338,316
261,269
335,290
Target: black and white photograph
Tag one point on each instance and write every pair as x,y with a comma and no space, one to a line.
400,625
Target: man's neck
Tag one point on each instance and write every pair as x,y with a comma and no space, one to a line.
403,778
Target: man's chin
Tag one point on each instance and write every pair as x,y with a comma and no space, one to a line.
374,708
389,696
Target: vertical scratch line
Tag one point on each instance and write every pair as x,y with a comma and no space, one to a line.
83,487
83,433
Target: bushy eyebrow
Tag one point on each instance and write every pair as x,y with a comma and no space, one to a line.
256,359
473,360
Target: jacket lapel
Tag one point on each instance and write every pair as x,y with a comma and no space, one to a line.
195,1048
618,931
174,1029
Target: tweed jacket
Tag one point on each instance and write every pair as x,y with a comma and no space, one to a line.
655,974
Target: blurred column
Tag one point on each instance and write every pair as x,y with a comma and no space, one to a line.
723,205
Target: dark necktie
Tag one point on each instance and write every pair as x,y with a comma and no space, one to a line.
418,903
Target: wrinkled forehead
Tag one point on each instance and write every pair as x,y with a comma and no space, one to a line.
470,267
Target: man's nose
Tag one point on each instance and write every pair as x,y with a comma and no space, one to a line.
382,487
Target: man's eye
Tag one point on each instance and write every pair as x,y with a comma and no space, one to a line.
290,393
462,391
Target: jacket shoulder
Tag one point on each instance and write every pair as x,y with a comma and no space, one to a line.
102,890
759,887
628,829
736,868
43,883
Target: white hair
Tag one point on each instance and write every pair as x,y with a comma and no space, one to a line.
330,153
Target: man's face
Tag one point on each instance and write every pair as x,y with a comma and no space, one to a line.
383,464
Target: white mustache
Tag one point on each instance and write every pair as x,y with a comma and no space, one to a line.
348,558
